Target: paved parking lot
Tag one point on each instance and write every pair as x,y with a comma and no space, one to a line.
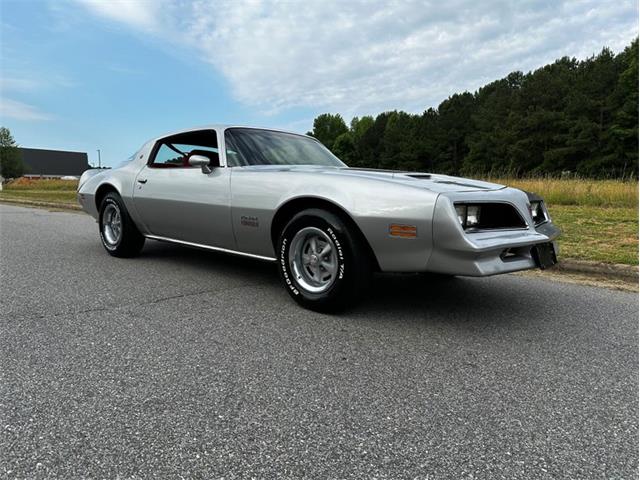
183,363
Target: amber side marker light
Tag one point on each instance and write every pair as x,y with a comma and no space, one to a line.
404,231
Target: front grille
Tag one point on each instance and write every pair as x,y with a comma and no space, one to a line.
489,216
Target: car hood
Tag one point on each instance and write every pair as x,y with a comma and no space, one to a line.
429,181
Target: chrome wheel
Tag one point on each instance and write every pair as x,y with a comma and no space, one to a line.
111,225
313,260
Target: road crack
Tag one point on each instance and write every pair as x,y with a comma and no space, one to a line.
113,308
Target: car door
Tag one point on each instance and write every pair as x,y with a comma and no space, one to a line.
179,202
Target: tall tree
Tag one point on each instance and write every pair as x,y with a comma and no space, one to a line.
454,114
399,146
11,165
490,137
327,128
370,144
622,134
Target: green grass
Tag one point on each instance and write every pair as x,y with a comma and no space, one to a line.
598,234
598,218
40,195
43,190
576,191
42,184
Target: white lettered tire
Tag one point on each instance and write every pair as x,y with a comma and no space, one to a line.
322,263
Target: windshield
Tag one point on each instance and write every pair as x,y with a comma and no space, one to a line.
249,146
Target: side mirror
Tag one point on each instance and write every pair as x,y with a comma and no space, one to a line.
200,161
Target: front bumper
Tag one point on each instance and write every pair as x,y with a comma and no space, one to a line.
489,252
491,256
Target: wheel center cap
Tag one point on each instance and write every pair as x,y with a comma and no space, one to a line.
314,259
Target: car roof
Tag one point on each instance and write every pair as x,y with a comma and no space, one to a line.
221,127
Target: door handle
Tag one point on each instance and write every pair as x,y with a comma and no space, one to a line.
142,180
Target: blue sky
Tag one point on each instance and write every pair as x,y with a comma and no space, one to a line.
87,74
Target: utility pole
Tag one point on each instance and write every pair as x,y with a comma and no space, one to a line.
99,161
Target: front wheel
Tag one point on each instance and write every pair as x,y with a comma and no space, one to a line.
120,237
322,262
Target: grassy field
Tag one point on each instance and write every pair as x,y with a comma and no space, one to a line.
61,191
595,193
40,195
598,218
596,233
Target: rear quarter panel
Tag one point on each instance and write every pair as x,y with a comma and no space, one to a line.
122,179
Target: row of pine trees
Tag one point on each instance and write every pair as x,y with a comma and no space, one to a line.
568,118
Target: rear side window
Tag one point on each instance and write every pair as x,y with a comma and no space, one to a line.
174,151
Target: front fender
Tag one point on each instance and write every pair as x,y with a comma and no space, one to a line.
373,205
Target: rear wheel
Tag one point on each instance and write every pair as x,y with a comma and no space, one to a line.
322,262
120,237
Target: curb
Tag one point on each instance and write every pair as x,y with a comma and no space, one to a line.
628,273
610,270
37,203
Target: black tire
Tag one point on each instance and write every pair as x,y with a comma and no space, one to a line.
129,241
353,266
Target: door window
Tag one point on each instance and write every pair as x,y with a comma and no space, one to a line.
175,151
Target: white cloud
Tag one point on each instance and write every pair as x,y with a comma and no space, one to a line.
12,109
136,13
364,57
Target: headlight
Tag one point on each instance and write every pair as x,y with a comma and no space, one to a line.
537,212
468,215
461,210
473,216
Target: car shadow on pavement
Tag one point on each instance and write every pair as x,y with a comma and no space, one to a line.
446,296
393,294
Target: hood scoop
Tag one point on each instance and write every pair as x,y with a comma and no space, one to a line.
460,184
422,176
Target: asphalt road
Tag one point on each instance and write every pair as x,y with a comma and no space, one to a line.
182,363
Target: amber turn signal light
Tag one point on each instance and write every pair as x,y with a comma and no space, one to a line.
404,231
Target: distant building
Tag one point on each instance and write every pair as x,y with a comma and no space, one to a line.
53,163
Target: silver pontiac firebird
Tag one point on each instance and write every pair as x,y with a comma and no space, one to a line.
284,197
